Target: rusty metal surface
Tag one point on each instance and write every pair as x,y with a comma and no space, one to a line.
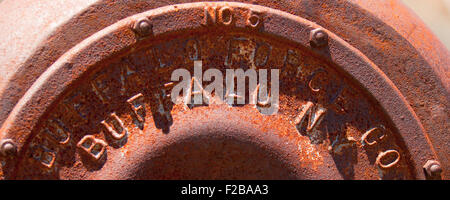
359,93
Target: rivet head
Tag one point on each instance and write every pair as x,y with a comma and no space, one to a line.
318,38
433,168
143,27
8,148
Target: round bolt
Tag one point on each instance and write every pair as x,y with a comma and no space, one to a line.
318,38
433,168
8,148
143,27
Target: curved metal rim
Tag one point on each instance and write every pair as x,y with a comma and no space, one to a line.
119,37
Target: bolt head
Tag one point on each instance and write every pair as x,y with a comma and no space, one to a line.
318,38
433,168
253,21
143,27
8,148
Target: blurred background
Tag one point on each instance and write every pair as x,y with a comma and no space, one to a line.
435,14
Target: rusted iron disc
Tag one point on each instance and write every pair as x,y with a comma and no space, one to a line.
101,109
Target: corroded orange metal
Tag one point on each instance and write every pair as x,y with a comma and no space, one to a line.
89,101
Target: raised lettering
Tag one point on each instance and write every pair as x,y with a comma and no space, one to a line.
192,49
125,72
137,106
100,86
373,136
222,16
261,54
210,15
312,78
115,128
76,103
254,19
313,114
44,154
388,159
94,147
57,131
